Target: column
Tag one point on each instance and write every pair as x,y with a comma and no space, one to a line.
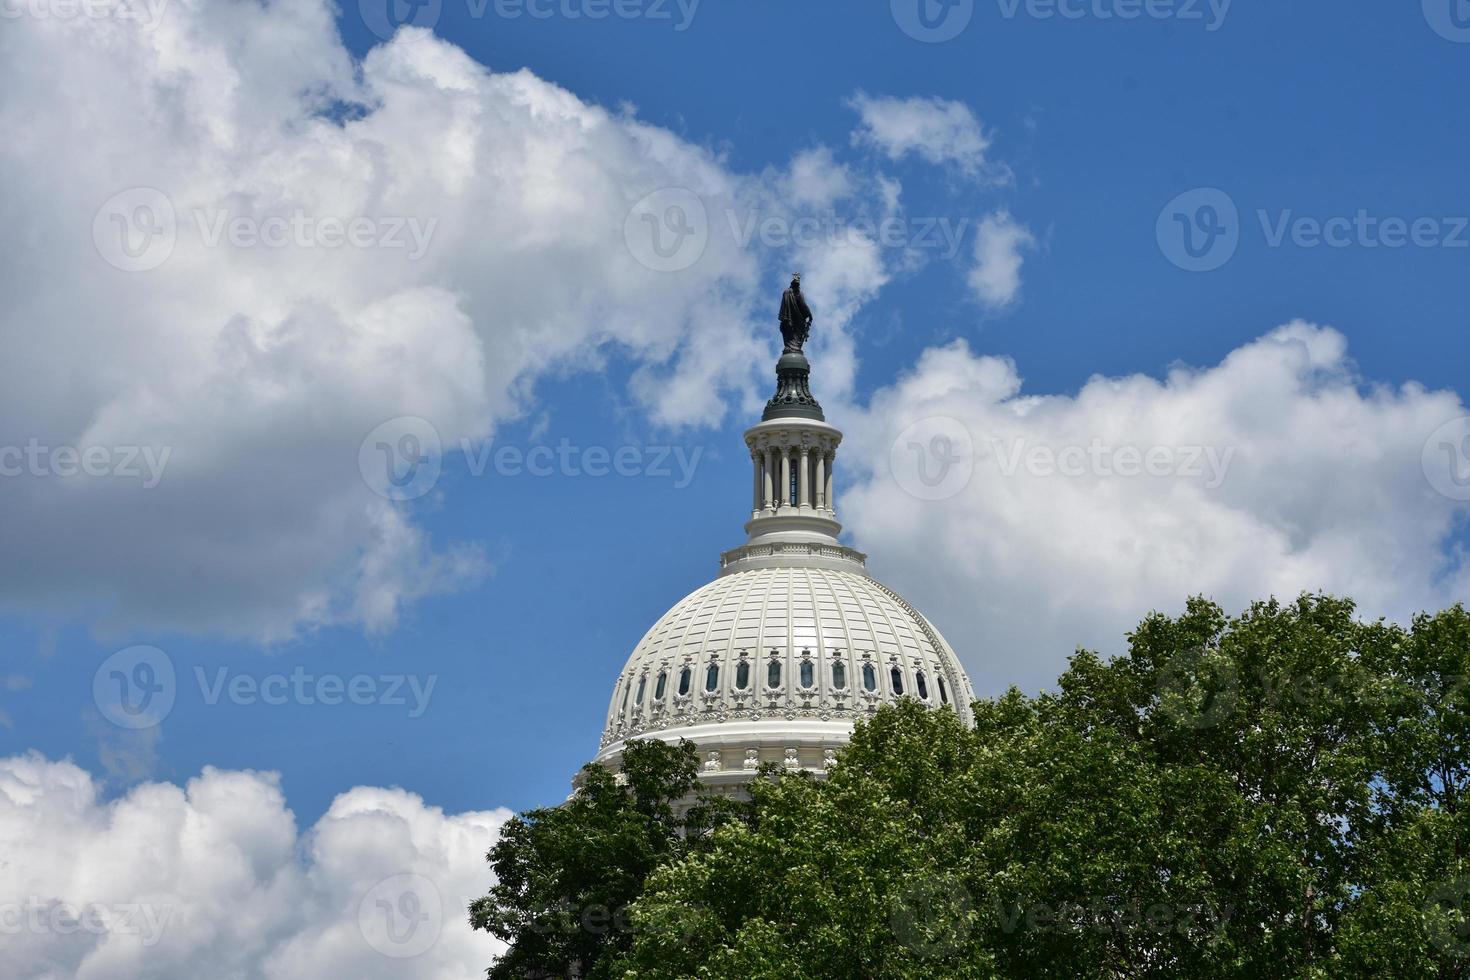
755,495
831,456
821,481
804,480
769,479
785,477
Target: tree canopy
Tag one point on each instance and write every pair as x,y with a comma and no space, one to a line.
1274,794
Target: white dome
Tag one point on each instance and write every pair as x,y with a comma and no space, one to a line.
776,658
836,642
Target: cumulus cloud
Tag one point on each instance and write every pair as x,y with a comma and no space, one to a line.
213,878
938,131
995,278
1029,525
245,251
816,179
184,299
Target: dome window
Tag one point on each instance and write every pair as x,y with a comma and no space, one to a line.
658,689
870,678
742,675
684,678
642,683
627,690
839,675
808,674
921,685
896,676
712,678
773,674
943,691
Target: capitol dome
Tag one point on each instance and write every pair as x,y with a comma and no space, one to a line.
793,642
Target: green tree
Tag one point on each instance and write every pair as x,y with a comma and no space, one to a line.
1275,794
566,875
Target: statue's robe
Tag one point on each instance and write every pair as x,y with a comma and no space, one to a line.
796,320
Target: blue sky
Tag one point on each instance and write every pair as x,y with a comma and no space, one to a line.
1092,125
1315,108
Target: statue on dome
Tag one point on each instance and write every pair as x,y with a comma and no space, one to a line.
796,318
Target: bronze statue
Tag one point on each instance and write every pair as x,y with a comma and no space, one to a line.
796,318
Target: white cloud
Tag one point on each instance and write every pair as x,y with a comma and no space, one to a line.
260,370
996,276
815,179
213,879
1275,471
939,131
